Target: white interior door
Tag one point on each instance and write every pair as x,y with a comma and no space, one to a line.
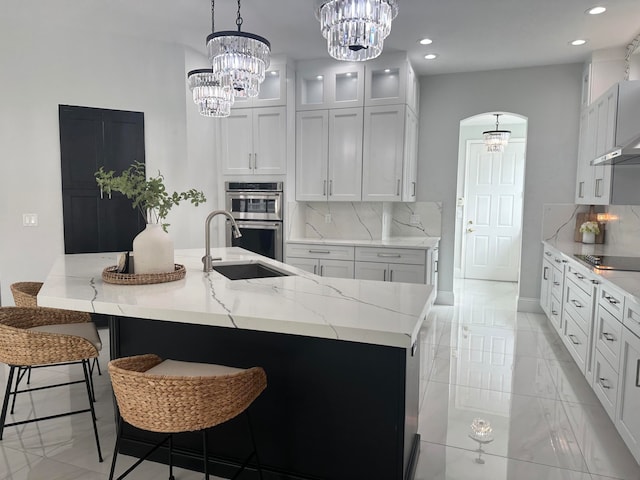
493,213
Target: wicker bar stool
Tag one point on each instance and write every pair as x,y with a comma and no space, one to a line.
173,397
25,294
41,337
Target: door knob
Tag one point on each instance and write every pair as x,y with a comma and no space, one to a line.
470,230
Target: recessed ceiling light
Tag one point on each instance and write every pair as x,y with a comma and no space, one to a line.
596,10
273,72
430,56
577,43
319,77
425,41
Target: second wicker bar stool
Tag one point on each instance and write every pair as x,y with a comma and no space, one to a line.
172,397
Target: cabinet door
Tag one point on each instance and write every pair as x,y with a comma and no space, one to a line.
406,273
345,154
312,143
336,268
383,153
269,140
386,80
584,171
345,84
627,419
410,167
545,286
307,264
237,142
371,271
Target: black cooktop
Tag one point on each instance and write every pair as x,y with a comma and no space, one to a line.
611,262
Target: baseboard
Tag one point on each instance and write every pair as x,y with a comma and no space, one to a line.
444,298
531,305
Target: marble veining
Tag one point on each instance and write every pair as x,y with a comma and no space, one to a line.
559,221
300,304
623,230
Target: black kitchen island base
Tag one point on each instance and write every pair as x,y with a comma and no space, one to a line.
332,409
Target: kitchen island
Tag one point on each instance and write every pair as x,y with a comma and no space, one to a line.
341,356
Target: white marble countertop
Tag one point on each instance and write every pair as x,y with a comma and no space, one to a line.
629,282
396,242
381,313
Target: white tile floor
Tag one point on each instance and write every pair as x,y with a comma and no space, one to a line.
480,359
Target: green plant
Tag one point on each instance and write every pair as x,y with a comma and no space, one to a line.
150,196
590,227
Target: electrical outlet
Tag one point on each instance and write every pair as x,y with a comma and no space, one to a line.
414,219
29,219
327,218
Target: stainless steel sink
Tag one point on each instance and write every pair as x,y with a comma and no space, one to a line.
248,270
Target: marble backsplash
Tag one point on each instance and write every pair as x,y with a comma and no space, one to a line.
622,228
363,220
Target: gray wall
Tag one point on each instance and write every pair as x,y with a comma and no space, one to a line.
550,99
46,66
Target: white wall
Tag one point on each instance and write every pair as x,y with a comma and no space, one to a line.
47,67
550,98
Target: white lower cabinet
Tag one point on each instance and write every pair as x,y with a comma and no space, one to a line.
605,383
627,419
324,260
390,272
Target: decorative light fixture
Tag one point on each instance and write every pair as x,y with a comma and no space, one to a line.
355,29
239,59
497,139
212,99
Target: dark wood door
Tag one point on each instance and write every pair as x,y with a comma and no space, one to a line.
91,138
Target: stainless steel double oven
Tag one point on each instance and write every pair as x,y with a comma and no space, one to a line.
257,209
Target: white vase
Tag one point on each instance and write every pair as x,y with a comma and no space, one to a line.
588,237
153,250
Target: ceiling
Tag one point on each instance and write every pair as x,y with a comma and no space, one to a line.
468,35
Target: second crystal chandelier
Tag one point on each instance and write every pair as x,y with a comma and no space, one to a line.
355,29
239,59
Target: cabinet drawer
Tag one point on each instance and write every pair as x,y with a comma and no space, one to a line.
605,384
631,318
575,340
612,300
309,250
581,277
608,335
578,302
391,255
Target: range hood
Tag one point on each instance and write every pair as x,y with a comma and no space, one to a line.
627,155
616,132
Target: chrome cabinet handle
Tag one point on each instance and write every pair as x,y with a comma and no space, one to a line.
391,275
324,189
544,273
581,277
319,251
330,187
321,270
638,373
607,336
557,284
554,312
603,383
581,190
384,275
557,260
414,189
249,161
436,264
598,182
398,188
548,254
595,282
389,255
610,299
315,269
255,161
576,303
573,339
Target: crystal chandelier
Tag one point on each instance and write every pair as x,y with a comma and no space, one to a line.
496,140
212,99
355,29
239,59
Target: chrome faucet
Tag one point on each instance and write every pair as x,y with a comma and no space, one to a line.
207,260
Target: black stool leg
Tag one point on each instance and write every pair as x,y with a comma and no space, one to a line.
253,442
171,477
115,450
205,455
5,402
15,391
87,380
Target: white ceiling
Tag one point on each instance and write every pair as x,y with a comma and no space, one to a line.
468,35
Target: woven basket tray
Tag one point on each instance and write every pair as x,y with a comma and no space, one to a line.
111,275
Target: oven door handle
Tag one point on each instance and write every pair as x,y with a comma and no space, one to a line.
257,225
255,196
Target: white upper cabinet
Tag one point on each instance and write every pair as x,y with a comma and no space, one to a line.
273,90
254,141
410,163
329,155
326,84
383,153
390,80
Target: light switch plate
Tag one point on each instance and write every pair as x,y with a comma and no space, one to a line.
29,219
